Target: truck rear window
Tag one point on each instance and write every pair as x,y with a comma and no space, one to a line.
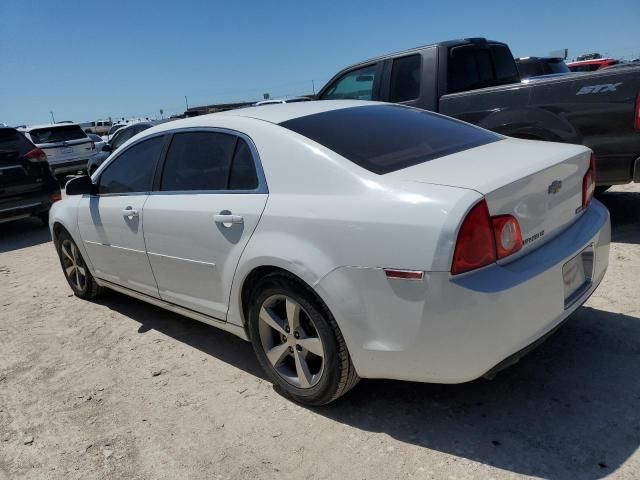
471,67
386,138
63,133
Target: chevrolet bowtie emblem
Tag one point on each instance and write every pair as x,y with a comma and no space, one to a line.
555,187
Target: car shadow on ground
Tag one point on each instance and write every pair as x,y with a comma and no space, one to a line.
570,409
210,340
22,234
624,208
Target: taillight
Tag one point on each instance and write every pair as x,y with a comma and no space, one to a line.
475,246
508,236
589,182
483,239
36,155
56,196
636,121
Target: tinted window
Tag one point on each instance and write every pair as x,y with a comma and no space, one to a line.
133,170
243,169
13,143
505,66
198,161
357,84
471,67
122,136
405,79
386,138
57,134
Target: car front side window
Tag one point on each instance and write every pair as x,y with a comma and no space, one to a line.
356,85
133,170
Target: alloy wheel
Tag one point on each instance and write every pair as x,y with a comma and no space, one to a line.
72,264
291,341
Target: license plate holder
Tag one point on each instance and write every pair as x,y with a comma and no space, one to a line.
577,274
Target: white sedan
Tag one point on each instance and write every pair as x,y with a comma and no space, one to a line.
344,239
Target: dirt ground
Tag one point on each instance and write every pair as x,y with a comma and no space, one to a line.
122,389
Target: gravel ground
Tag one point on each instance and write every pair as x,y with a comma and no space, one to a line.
122,389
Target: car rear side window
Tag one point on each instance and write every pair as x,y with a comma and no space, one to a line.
386,138
243,175
198,161
56,134
13,143
355,85
405,79
132,171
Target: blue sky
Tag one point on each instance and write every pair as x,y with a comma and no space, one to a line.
89,60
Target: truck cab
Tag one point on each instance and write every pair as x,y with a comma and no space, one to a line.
477,80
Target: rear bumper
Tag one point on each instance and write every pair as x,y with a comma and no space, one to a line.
454,329
72,166
27,205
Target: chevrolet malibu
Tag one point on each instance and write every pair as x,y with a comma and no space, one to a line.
344,239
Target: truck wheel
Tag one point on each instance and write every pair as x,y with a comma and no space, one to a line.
298,342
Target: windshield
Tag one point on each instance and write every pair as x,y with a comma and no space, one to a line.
386,138
57,134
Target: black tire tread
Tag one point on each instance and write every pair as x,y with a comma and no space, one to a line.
93,289
348,376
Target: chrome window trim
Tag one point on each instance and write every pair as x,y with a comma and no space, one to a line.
262,181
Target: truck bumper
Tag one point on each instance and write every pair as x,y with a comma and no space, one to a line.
448,329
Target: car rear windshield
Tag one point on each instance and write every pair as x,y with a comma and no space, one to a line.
13,142
63,133
386,138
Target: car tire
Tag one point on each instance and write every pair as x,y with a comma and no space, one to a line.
293,363
75,268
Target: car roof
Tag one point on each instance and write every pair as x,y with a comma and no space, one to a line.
277,113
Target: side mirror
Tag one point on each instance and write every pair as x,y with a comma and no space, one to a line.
107,147
79,186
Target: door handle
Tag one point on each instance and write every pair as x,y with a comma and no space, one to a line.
130,212
227,218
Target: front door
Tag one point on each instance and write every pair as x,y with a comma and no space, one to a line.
210,200
111,222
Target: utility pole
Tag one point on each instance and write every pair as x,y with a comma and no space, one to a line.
186,102
313,86
53,120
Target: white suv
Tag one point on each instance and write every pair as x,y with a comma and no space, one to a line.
67,146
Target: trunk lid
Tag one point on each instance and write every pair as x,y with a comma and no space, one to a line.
539,183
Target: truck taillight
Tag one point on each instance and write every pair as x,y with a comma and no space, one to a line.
483,239
636,121
589,182
36,155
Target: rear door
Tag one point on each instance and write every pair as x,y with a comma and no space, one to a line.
210,197
111,222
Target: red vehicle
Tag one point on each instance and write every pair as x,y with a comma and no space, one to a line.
591,65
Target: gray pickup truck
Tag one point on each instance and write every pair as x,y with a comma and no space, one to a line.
477,80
